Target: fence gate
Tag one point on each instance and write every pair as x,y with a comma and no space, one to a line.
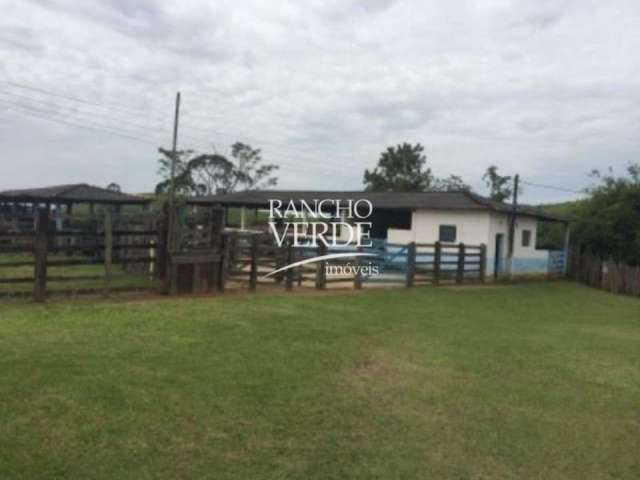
194,251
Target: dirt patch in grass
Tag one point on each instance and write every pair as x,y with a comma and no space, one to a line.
407,380
418,400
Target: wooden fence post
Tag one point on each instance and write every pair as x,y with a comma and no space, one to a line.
280,254
196,282
108,251
483,262
161,271
460,270
41,249
173,278
253,274
289,273
224,262
321,273
357,279
566,248
437,256
173,247
411,264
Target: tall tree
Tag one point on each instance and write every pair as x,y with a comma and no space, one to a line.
499,186
182,181
210,173
400,168
452,183
249,173
607,224
114,187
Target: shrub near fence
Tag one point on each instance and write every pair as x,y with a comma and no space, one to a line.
605,274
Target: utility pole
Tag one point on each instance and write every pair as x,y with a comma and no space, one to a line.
512,226
170,278
174,152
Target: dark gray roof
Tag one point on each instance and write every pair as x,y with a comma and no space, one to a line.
458,200
77,193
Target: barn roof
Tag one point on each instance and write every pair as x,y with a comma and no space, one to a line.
75,193
456,200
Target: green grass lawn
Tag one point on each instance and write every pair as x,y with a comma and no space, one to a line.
528,381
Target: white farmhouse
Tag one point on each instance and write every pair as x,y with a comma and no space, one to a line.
429,217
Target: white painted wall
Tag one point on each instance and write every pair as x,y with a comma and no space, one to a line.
498,223
474,228
527,223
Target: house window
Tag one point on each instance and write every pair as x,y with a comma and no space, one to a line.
526,238
447,233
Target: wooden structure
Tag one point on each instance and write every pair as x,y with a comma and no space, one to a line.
57,249
449,217
252,256
18,207
607,275
63,198
204,258
61,265
194,253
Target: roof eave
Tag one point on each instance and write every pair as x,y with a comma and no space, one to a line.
35,199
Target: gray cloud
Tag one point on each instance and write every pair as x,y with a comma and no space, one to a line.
547,89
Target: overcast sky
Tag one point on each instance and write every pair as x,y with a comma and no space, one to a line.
549,90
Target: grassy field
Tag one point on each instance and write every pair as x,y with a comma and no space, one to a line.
528,381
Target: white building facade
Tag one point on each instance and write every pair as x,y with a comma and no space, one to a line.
428,217
477,227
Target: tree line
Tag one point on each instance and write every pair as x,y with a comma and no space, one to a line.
212,173
400,168
606,223
403,168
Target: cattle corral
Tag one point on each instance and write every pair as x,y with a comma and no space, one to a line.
113,242
110,251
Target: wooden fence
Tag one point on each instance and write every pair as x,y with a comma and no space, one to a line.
605,274
80,254
106,253
250,258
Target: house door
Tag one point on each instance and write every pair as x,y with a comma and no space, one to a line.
497,258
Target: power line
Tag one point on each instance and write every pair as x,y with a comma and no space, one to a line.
278,147
45,115
44,91
102,128
197,140
551,187
134,111
75,110
191,137
78,112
